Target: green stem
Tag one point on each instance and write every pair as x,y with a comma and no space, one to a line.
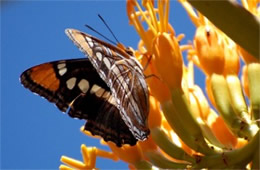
143,165
241,156
168,147
223,102
180,117
160,161
254,88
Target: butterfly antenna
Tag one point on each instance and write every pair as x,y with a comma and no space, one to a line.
92,29
108,28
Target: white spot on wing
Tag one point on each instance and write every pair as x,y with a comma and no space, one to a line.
100,92
112,101
90,42
99,55
62,71
83,85
94,88
88,39
61,65
107,63
116,70
71,83
106,95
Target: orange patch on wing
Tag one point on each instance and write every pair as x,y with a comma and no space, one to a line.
45,76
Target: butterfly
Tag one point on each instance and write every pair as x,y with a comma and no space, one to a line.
107,89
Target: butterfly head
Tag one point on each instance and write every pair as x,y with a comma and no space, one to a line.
128,50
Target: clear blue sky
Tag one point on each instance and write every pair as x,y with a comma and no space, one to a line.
34,133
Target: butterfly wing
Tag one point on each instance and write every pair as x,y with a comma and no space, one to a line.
123,75
76,85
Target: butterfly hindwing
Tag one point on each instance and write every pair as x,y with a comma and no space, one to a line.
123,75
103,118
110,125
75,85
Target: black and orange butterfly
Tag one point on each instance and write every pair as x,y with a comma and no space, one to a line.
107,89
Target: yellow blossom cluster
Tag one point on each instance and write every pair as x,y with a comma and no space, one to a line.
186,132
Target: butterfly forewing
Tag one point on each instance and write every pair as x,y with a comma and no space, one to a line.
123,75
76,85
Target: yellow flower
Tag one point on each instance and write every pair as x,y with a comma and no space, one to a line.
155,115
158,89
252,6
168,60
223,134
129,154
216,52
89,155
153,43
248,58
186,132
210,50
149,16
232,64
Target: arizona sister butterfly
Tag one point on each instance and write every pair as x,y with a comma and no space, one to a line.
107,89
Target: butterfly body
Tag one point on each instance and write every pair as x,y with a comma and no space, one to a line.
107,89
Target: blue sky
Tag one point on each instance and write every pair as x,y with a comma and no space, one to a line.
34,133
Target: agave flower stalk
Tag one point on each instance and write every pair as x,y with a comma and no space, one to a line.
186,131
